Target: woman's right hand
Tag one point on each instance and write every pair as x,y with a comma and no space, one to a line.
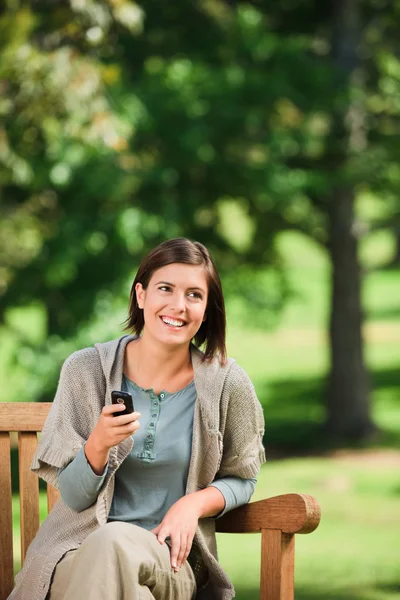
110,430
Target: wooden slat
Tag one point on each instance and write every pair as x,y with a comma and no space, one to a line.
277,565
291,513
6,540
276,518
23,416
29,483
52,496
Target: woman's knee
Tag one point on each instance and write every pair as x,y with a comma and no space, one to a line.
118,533
106,536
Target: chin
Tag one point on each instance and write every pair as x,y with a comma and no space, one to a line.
172,340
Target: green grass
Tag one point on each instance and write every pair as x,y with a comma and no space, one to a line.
16,525
354,554
289,365
351,556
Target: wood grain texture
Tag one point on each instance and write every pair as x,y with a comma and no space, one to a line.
23,416
290,513
29,483
277,565
287,566
276,518
52,496
6,541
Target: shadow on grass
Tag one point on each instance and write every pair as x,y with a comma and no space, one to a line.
294,416
385,314
308,593
391,588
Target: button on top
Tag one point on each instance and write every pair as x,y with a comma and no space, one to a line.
162,395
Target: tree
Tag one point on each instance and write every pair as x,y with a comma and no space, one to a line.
276,113
279,164
348,388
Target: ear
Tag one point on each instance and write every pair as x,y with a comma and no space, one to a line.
140,295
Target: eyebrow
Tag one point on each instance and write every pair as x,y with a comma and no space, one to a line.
173,285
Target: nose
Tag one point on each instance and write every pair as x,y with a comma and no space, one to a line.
178,302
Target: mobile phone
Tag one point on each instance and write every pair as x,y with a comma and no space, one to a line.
118,397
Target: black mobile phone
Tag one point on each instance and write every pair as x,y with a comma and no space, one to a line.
118,397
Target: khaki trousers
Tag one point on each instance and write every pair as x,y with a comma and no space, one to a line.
120,561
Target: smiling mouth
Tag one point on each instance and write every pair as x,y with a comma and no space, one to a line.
173,322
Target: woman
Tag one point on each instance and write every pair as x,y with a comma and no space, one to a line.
138,491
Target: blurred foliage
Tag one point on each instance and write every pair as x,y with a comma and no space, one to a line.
121,125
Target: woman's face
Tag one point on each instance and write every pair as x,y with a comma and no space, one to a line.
174,303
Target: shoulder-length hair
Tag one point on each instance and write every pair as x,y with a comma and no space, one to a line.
212,331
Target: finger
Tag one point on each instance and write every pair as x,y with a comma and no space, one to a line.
188,549
175,548
118,434
186,544
119,420
110,409
117,439
126,429
156,529
181,554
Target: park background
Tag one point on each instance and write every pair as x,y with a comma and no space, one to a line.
271,134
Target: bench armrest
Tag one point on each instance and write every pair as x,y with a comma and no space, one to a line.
290,513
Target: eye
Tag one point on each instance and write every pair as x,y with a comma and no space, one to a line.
196,295
164,288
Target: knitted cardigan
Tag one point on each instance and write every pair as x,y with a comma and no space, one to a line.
227,432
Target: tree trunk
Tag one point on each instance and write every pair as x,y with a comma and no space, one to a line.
396,258
348,406
348,390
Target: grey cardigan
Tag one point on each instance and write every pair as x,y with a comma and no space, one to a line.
227,432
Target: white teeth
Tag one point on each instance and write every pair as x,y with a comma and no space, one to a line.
172,322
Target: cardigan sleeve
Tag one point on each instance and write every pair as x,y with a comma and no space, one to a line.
242,427
73,414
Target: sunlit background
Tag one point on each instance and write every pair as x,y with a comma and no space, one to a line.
269,132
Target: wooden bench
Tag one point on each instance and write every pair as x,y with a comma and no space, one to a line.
277,519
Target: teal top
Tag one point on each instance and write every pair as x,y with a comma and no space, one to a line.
153,476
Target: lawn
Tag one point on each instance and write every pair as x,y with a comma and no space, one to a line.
288,365
353,555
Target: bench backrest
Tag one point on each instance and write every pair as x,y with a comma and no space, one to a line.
27,419
277,519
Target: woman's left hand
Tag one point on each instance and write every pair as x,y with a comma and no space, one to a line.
179,524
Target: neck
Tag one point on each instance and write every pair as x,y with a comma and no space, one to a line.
152,364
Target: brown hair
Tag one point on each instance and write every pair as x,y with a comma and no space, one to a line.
181,250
